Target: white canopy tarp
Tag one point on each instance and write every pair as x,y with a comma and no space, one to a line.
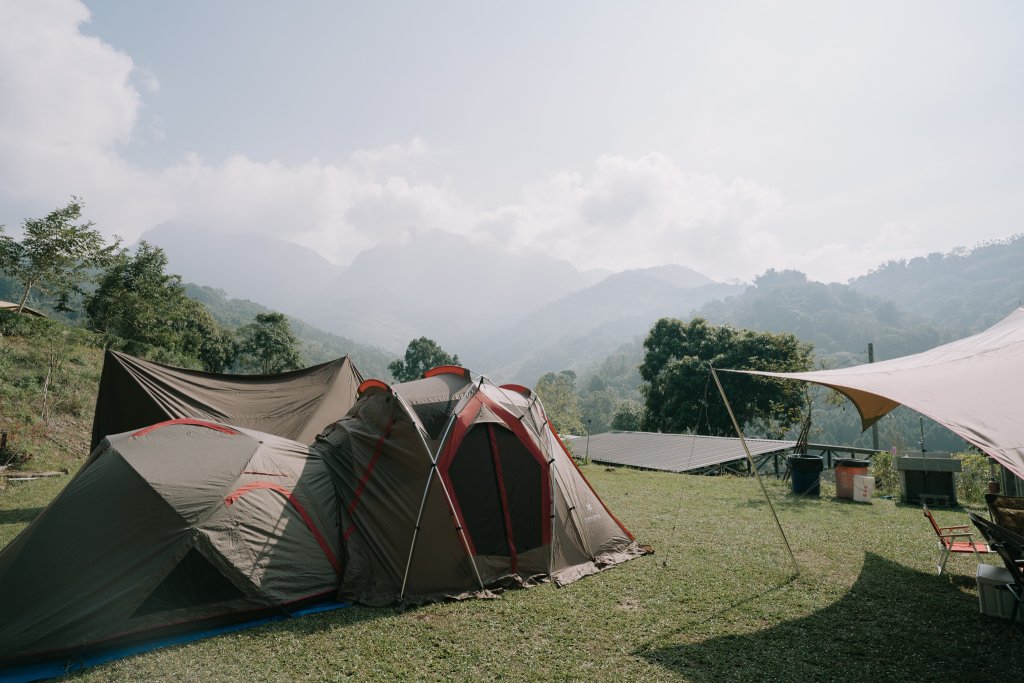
974,387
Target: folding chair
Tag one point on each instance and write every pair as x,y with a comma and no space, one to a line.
1010,547
948,543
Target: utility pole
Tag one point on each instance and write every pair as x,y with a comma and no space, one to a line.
874,427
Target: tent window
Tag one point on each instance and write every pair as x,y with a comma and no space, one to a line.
194,581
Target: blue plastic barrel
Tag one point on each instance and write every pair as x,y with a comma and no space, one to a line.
806,473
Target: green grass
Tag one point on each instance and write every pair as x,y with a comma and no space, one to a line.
717,602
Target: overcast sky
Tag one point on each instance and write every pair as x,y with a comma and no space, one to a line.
726,136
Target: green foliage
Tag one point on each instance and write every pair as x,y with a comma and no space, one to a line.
629,417
597,408
55,254
678,393
887,479
268,345
972,481
557,392
965,291
315,345
143,310
833,317
421,355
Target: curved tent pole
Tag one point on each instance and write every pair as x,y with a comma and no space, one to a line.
426,490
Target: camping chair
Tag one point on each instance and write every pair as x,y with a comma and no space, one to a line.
1006,511
948,543
1010,547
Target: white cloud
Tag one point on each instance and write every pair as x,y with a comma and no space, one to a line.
69,105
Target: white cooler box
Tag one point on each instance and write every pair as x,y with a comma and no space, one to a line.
863,488
993,597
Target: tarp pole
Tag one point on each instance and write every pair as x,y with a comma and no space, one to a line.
753,467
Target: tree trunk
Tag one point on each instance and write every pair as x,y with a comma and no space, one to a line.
24,296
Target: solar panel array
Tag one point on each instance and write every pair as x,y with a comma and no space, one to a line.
670,452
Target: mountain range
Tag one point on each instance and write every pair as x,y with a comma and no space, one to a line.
515,316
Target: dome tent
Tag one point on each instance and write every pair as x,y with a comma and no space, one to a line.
446,487
452,486
178,525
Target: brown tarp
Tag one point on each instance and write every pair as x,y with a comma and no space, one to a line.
974,387
295,405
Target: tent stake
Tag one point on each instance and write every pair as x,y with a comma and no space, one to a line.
753,467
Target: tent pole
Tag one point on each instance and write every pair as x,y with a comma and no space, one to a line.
750,459
416,532
426,489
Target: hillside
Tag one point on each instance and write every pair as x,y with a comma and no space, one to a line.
316,345
962,292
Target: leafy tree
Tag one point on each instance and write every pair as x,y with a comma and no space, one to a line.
268,345
678,392
55,254
421,355
629,417
558,393
597,408
145,311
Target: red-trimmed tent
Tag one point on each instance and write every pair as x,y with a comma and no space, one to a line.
178,525
453,486
448,486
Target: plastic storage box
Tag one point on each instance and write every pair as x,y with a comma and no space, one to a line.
863,488
993,597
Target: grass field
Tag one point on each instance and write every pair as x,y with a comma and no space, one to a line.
718,601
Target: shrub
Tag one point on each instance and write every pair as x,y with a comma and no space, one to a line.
887,480
972,482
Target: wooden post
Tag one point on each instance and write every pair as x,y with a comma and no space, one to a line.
874,427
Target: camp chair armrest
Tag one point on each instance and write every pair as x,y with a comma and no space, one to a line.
966,534
951,528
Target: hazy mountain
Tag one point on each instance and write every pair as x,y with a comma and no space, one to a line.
258,267
586,326
962,291
441,286
316,345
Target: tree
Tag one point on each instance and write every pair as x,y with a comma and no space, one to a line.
55,254
145,311
421,355
679,396
629,417
268,345
597,408
558,393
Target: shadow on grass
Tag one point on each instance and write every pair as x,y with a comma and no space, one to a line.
893,624
19,515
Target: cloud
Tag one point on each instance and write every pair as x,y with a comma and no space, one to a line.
647,211
69,106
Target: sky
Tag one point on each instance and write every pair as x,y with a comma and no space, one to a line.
730,137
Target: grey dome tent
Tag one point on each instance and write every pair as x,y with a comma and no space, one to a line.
452,486
176,525
447,487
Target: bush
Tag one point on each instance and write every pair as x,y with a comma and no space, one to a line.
887,480
972,482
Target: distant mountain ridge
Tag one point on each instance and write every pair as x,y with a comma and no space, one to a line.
517,316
